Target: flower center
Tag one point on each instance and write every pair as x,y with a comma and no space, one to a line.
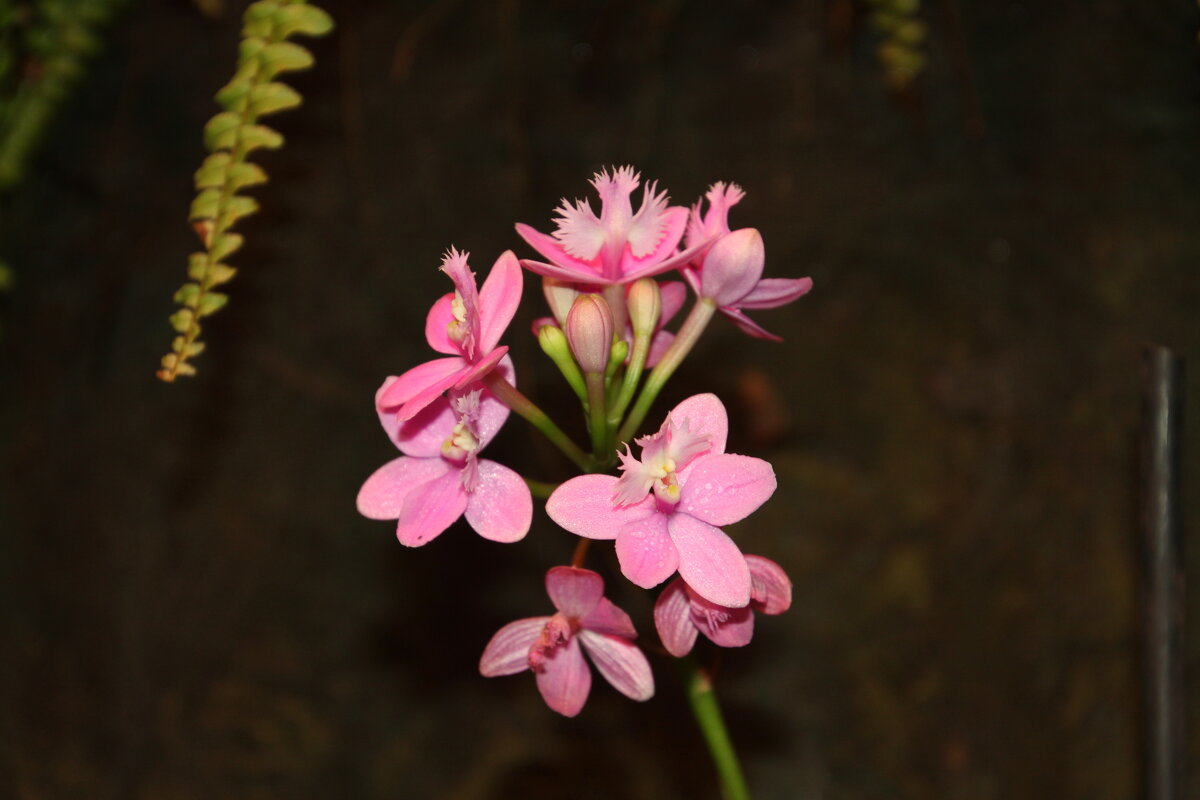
460,444
557,632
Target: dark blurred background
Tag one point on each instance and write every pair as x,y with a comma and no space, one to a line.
192,607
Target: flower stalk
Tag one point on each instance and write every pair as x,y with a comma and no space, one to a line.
702,697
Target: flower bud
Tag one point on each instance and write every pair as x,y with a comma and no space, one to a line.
559,296
589,331
645,306
732,267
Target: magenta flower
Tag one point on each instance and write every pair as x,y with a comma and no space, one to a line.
466,324
665,511
681,613
728,269
618,246
440,478
553,646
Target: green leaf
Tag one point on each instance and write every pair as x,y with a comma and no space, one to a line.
182,319
256,136
197,266
212,171
283,56
187,294
225,245
220,132
269,98
257,21
211,303
218,274
233,95
205,204
248,52
302,18
244,174
236,208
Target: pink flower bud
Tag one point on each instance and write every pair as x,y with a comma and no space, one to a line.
589,330
645,306
732,267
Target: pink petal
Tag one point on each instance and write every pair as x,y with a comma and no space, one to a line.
499,298
725,627
500,508
749,326
732,266
658,347
382,495
723,489
430,509
674,295
583,506
770,587
480,368
607,618
710,562
621,663
423,435
773,292
398,391
564,679
508,651
437,324
583,274
574,591
648,266
672,619
706,414
671,222
493,413
550,248
645,551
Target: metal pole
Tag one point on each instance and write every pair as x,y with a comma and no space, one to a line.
1162,575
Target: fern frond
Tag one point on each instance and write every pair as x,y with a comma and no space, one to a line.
900,53
231,136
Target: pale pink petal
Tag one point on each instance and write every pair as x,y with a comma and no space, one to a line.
749,326
422,436
584,274
583,506
725,627
723,489
550,248
648,266
382,495
732,267
773,292
500,508
674,295
710,562
397,391
564,679
437,325
579,229
672,619
574,591
646,552
650,224
387,414
431,508
498,299
770,587
508,651
672,223
607,618
483,366
658,347
706,414
621,663
493,413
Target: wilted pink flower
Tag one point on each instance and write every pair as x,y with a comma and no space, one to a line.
553,646
616,247
681,613
440,478
665,510
728,266
467,324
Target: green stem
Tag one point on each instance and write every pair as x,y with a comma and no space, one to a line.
703,699
506,393
633,374
597,419
685,340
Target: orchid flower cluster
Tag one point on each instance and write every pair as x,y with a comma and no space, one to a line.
663,508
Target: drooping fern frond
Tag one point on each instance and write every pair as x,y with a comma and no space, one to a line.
230,137
900,53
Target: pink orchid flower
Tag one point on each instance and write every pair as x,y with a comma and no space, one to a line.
466,324
440,478
618,246
681,613
665,511
728,265
553,646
